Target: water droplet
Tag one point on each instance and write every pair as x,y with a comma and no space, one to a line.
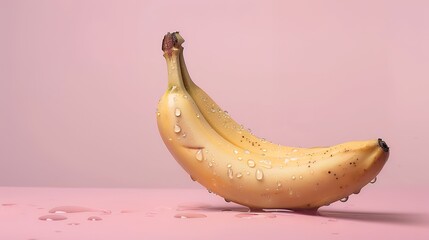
212,110
287,160
239,175
259,174
177,128
52,218
265,163
279,184
293,177
229,165
300,177
227,200
210,164
246,151
199,155
94,218
185,96
198,115
170,139
293,158
177,112
76,209
230,173
193,179
344,199
129,211
190,215
264,150
374,180
357,191
184,135
8,204
239,158
158,114
173,88
255,215
295,150
235,151
251,163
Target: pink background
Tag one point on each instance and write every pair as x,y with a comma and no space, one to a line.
80,81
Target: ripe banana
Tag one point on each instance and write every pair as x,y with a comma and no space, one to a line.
233,163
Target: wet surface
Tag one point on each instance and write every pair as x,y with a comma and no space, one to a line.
193,213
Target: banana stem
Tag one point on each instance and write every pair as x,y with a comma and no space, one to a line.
171,45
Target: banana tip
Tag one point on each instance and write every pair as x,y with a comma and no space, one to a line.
171,40
383,145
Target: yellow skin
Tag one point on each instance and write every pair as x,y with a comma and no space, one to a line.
207,145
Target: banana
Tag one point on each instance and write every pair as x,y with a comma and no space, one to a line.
231,162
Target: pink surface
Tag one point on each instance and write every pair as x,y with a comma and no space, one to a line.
153,214
80,80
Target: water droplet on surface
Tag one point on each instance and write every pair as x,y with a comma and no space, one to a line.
212,110
374,180
76,209
230,173
264,150
251,163
173,88
210,164
8,204
199,155
177,112
300,177
193,179
293,177
158,114
239,175
185,96
293,158
94,218
255,215
190,215
170,139
177,128
357,191
239,158
295,150
246,151
227,200
52,218
259,174
344,199
229,165
198,115
235,151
